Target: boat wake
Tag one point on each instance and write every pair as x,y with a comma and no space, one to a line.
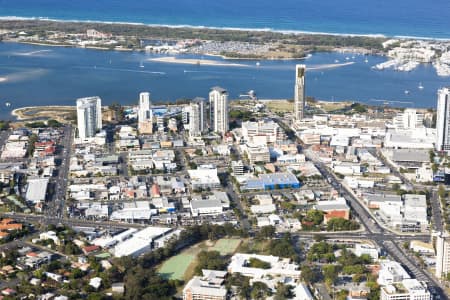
32,53
22,76
328,66
120,70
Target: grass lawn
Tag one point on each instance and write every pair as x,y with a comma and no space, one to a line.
226,246
254,246
280,106
175,267
182,266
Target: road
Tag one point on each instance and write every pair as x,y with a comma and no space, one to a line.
384,239
56,205
394,170
436,212
389,241
55,220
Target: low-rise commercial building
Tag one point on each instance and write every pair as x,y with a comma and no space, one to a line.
204,177
36,190
210,286
407,289
279,267
140,242
273,181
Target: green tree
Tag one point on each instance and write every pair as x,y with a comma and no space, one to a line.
260,291
283,247
284,291
315,216
330,273
257,263
310,275
211,260
340,224
266,232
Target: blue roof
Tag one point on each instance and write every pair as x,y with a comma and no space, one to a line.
279,178
272,181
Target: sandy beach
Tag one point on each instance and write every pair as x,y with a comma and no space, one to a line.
50,111
187,61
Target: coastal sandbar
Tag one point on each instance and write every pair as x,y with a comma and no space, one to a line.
191,61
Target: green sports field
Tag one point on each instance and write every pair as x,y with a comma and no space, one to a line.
175,267
182,265
226,246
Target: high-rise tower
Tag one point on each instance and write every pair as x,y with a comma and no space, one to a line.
89,116
218,102
299,98
145,115
443,120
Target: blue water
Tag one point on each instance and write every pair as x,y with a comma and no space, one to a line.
39,75
389,17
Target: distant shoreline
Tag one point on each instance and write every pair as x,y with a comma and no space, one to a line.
224,28
268,43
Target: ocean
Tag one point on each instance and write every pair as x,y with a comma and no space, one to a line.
417,18
41,75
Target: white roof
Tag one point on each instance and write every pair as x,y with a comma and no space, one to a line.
139,241
108,241
204,176
36,190
197,286
302,292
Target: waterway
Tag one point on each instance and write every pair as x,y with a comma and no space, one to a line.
41,75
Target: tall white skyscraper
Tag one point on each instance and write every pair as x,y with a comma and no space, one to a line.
218,103
89,116
197,116
443,120
145,115
299,97
442,255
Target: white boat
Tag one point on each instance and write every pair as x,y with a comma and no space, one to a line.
420,86
141,65
366,60
406,92
258,63
336,61
347,58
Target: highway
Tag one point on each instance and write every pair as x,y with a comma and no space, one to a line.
55,220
